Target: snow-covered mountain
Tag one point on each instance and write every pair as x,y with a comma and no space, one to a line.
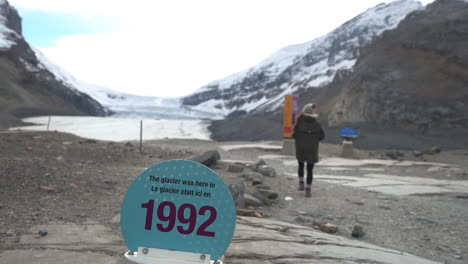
26,88
303,66
124,104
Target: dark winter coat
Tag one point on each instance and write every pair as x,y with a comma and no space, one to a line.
307,133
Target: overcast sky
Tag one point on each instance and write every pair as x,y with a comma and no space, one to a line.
171,48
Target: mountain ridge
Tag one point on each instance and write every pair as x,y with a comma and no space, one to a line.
27,88
312,64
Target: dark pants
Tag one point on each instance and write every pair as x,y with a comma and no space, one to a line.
310,169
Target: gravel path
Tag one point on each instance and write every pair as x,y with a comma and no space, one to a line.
56,177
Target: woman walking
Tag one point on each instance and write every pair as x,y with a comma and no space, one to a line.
307,133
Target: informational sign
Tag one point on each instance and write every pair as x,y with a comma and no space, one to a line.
179,205
291,110
348,133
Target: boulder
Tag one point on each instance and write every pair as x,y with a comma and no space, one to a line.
358,231
250,200
237,191
208,158
431,151
266,171
235,168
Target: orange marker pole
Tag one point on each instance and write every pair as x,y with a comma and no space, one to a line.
291,104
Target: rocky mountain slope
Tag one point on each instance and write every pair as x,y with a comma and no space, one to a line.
415,76
299,67
27,86
412,78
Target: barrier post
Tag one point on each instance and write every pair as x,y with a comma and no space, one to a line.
141,136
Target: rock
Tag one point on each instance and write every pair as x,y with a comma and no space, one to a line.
108,182
237,191
115,219
394,155
325,216
325,226
260,163
432,151
357,231
329,228
318,223
208,158
47,188
245,212
354,201
261,186
255,178
257,182
261,197
266,171
250,200
302,220
417,153
235,168
43,233
270,194
40,139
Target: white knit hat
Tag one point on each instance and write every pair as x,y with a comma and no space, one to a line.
309,109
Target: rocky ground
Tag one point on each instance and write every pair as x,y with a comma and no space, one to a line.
49,177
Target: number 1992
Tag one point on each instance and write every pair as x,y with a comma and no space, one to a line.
179,214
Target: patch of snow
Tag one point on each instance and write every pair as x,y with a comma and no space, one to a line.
282,157
257,146
5,33
29,67
321,80
214,107
337,169
337,162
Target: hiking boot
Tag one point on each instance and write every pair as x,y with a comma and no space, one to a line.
301,186
308,193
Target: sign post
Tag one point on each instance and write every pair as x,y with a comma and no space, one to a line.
177,212
348,134
290,113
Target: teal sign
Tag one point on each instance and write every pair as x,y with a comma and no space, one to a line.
179,205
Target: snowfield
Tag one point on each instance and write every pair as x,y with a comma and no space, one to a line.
120,129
